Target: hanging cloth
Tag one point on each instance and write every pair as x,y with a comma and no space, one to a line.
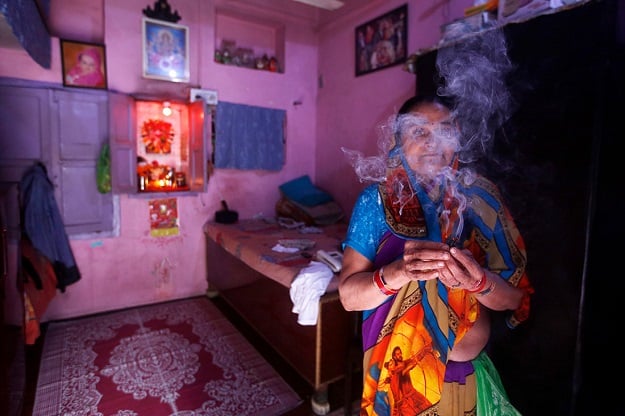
43,225
249,137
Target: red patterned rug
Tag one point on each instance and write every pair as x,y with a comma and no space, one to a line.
178,358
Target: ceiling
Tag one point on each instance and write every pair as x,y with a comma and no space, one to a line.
306,13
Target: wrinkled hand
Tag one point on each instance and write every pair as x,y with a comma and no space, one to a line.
423,260
462,270
426,260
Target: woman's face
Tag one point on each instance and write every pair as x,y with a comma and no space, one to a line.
87,64
429,139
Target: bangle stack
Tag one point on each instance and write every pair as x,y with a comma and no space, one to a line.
489,290
480,286
380,283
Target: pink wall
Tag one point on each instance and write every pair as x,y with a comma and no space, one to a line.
134,268
350,108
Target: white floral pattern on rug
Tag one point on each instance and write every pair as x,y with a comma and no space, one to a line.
156,363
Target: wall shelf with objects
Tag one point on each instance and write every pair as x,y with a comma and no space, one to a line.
473,25
249,42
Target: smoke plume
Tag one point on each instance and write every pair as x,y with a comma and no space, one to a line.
473,74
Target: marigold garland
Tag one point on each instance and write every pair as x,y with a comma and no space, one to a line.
158,135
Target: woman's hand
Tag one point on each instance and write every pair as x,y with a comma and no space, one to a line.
424,260
461,271
455,268
427,260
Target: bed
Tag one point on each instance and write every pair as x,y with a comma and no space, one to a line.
254,279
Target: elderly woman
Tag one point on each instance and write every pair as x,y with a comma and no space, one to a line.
430,250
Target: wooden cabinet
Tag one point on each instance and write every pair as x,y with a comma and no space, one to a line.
24,128
125,139
81,126
64,129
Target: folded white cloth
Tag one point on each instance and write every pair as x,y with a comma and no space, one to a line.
281,249
307,287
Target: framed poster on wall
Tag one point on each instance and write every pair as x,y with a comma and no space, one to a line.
165,50
381,42
84,64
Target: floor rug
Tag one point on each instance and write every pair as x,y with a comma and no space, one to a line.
179,358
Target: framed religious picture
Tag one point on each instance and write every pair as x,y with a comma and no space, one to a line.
381,42
84,64
165,50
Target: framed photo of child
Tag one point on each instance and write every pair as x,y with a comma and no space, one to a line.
84,64
165,50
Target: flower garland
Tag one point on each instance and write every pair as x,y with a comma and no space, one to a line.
158,135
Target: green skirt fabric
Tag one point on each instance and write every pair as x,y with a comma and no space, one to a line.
492,399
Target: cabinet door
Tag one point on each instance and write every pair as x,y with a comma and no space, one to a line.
65,130
24,138
24,128
123,143
81,123
199,125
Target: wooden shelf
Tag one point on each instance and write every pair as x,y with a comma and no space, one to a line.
150,189
410,64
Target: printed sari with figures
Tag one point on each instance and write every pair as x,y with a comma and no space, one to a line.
425,319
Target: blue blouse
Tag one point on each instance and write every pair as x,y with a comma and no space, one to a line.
367,224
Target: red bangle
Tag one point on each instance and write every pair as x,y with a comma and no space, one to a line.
489,290
480,285
378,280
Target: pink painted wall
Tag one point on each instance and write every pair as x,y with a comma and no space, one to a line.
351,109
134,268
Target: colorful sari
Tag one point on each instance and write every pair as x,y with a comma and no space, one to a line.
425,319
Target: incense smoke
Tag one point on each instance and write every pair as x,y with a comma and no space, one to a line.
473,74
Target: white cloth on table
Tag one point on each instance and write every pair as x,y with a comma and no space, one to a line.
307,287
281,249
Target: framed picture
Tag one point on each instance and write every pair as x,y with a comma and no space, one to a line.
381,42
165,50
84,64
